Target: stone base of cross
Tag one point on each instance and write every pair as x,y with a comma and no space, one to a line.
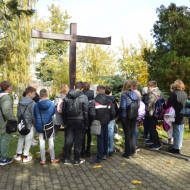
73,38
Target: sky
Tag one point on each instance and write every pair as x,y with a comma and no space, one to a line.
116,18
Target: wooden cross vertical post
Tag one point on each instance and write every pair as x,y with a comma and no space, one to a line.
73,38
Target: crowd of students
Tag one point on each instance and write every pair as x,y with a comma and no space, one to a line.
77,108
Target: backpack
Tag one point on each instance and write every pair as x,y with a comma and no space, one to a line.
132,109
73,107
22,125
159,111
60,105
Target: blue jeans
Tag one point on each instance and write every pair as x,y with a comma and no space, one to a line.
136,134
178,135
110,135
102,143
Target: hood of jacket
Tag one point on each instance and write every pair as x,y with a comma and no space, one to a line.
112,98
102,99
24,101
44,104
89,94
74,94
2,93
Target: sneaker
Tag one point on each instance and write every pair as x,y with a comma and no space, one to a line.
17,157
55,161
104,157
144,137
96,161
42,162
77,162
110,153
5,162
165,141
137,149
173,150
149,142
27,159
155,147
66,162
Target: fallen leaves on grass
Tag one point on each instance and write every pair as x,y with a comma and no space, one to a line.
123,164
136,182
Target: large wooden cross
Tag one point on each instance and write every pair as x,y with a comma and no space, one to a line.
73,38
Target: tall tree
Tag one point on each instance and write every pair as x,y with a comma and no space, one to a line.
94,61
171,59
55,61
15,41
131,62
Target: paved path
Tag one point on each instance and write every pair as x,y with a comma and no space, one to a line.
149,167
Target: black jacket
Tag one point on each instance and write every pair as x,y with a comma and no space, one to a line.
83,105
114,101
145,99
102,109
177,99
89,94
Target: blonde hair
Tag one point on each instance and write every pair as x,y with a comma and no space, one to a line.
152,83
178,85
64,89
127,85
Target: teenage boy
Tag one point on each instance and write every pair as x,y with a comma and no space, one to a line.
6,114
43,112
25,107
102,109
75,116
111,124
154,93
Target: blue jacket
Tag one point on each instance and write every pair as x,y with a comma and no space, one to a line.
125,101
47,108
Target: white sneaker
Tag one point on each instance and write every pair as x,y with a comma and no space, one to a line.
28,159
18,158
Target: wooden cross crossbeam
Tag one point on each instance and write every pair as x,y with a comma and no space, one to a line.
73,38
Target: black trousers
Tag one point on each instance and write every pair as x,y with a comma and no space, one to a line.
129,130
88,135
153,131
74,133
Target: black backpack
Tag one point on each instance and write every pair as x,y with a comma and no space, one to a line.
73,107
132,109
22,125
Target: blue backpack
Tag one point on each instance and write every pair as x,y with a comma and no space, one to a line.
159,111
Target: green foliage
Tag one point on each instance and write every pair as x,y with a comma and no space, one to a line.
116,84
94,61
132,64
171,59
12,8
54,67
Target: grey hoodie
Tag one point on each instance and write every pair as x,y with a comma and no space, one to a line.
28,104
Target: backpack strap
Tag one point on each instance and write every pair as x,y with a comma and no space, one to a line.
24,109
130,97
40,115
